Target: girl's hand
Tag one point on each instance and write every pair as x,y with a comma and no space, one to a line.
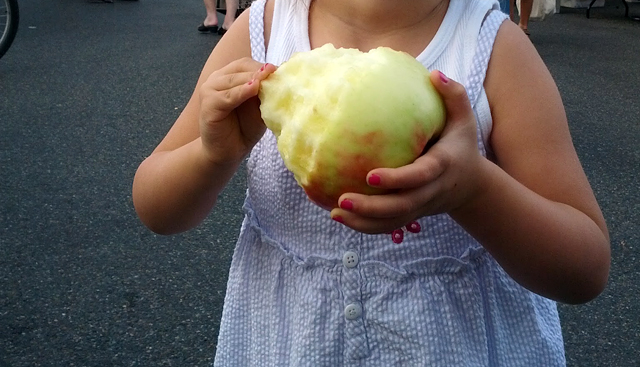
230,122
442,180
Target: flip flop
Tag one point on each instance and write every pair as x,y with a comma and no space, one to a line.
206,29
222,31
526,31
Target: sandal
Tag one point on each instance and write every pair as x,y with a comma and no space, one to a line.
206,29
526,31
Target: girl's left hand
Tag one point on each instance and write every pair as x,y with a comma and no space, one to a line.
448,176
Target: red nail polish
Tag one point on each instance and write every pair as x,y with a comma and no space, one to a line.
414,227
346,204
443,77
251,81
374,180
397,236
338,219
264,67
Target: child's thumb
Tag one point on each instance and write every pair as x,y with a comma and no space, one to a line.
454,96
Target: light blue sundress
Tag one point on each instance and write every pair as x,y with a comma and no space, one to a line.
304,290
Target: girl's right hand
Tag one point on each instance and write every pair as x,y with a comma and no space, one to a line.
230,121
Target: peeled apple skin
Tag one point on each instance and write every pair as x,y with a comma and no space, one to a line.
339,113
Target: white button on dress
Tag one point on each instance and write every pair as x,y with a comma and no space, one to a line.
350,259
352,311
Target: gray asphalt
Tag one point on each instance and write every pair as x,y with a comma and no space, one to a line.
89,88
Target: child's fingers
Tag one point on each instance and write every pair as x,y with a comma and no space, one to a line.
385,213
395,204
218,103
423,170
232,80
227,78
223,93
454,96
247,64
228,81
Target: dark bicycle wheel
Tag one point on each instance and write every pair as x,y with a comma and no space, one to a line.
9,18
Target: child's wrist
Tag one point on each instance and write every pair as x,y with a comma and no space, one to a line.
210,160
479,196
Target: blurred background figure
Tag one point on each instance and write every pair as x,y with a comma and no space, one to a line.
210,23
524,8
504,6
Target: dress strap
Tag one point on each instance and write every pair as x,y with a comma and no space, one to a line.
486,38
256,31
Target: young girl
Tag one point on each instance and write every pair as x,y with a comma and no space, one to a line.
508,221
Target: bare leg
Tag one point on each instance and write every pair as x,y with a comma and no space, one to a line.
512,10
230,17
212,14
525,13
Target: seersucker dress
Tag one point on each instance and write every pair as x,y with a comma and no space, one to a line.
304,290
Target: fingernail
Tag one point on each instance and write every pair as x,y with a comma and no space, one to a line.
264,67
374,180
414,227
397,236
338,219
346,204
443,77
251,81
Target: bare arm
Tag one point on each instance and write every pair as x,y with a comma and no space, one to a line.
178,184
538,217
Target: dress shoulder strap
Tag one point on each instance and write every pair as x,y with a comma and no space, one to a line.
256,31
480,62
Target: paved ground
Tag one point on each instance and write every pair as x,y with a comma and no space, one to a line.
89,88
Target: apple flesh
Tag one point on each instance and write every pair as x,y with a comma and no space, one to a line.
339,113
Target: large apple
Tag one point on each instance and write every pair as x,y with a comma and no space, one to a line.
339,113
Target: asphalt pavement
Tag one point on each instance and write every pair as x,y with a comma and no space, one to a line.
89,88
